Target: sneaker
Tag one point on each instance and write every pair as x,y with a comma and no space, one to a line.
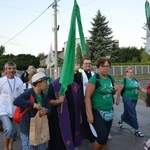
145,146
139,134
121,125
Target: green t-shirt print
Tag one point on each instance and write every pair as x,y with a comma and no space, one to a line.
131,88
102,98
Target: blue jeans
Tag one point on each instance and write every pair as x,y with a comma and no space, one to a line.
26,145
10,127
129,115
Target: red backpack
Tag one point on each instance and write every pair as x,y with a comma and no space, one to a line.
18,114
148,96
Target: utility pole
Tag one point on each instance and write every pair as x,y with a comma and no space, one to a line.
55,39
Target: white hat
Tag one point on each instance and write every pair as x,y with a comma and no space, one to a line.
39,77
40,70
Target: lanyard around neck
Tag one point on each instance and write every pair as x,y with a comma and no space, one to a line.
11,88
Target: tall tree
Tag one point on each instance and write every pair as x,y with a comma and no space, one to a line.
114,53
78,55
100,40
87,54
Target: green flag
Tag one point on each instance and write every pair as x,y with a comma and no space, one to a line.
67,73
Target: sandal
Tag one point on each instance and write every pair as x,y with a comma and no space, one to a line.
145,146
121,125
139,134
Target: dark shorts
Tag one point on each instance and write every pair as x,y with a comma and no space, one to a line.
102,127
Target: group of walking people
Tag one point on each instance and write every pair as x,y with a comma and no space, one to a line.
84,112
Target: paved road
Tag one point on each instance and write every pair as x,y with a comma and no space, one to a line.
123,139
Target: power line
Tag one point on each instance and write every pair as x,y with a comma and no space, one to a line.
62,22
18,8
69,10
28,24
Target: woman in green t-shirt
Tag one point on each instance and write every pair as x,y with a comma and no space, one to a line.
99,102
129,88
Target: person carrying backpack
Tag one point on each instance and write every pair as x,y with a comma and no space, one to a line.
99,102
129,88
25,74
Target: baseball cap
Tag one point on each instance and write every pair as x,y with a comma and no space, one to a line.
40,76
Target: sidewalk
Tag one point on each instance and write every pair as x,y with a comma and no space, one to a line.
123,139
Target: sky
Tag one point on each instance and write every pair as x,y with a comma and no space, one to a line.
126,19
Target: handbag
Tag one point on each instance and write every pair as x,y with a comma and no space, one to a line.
18,114
39,130
107,115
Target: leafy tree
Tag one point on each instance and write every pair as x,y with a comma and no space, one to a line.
40,55
2,50
127,54
145,58
100,40
3,60
22,60
78,55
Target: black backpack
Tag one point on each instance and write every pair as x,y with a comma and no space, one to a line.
24,77
123,90
98,84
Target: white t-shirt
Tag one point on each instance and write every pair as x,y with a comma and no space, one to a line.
9,90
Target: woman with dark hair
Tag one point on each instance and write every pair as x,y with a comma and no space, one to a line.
99,102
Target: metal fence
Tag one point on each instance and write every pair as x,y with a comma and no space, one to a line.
138,70
115,70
